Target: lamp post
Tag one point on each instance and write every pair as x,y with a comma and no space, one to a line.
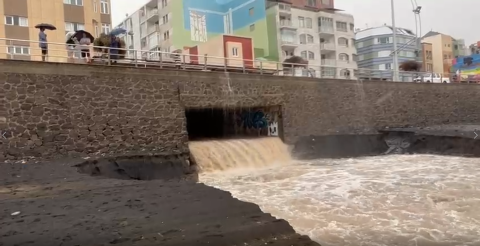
395,52
418,27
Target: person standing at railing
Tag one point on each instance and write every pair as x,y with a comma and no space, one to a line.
114,45
85,47
42,38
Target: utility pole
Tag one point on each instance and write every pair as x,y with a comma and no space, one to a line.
395,54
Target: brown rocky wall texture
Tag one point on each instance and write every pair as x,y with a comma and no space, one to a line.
59,110
53,109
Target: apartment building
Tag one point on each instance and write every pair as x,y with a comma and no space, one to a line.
375,49
270,30
21,16
442,51
427,57
324,38
459,48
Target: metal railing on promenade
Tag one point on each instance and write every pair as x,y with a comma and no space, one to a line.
60,52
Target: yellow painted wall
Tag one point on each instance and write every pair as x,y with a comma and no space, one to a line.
3,47
437,52
44,11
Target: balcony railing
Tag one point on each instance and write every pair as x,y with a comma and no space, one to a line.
287,23
328,62
326,29
159,60
327,46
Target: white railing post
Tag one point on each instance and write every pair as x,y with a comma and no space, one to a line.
205,62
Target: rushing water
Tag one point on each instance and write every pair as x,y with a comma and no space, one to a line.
387,200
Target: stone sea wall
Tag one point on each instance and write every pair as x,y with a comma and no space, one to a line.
52,110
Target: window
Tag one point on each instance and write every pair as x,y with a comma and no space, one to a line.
252,27
251,11
16,21
165,19
235,52
311,55
304,55
164,3
301,22
343,57
342,26
312,3
308,22
72,27
352,27
106,28
73,2
198,27
95,6
309,39
343,42
385,40
104,7
303,39
429,67
96,31
384,53
166,35
388,66
18,50
345,73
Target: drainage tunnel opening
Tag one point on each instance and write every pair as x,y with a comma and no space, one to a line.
222,123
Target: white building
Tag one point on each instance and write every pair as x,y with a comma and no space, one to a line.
148,28
324,38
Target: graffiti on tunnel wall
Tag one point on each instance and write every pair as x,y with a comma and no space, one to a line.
258,122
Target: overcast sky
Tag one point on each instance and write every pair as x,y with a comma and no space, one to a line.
453,17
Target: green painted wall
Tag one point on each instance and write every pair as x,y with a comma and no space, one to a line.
272,30
264,36
260,41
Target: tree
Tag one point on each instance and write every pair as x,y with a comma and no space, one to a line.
410,66
104,41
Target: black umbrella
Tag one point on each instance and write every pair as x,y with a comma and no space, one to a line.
46,26
79,35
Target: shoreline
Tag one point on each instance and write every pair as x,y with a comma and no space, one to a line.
59,206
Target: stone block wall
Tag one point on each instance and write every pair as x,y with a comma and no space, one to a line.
52,110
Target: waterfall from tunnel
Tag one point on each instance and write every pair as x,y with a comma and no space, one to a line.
234,154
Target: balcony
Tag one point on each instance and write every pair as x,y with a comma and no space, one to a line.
284,9
327,46
152,28
327,30
287,24
152,15
328,62
289,44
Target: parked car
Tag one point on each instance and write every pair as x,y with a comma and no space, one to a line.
431,78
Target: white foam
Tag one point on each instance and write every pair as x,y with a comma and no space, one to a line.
388,200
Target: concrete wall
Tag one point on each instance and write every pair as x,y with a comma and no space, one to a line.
52,109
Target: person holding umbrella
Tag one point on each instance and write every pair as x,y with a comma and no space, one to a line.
83,39
42,38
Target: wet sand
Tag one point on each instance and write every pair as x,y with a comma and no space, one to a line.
59,206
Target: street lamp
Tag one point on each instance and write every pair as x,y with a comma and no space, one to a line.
395,52
418,27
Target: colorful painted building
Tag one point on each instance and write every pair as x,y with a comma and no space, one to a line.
196,21
467,68
168,25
